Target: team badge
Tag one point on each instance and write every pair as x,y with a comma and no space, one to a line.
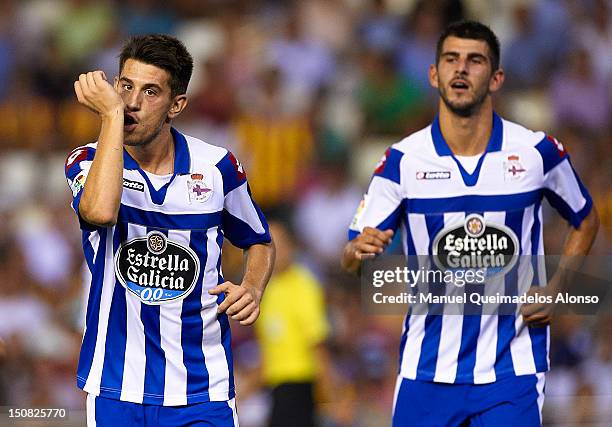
513,169
197,188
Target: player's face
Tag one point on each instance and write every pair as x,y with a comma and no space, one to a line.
149,104
464,75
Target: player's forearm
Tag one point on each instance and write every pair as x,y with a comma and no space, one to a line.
577,245
259,266
102,193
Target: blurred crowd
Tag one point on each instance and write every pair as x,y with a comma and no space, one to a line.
307,94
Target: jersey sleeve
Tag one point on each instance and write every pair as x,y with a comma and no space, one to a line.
562,187
76,169
382,205
243,222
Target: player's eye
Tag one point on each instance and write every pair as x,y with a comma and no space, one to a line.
150,92
126,87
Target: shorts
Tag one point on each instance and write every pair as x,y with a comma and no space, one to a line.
104,412
510,401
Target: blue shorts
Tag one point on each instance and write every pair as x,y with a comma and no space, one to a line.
511,401
103,412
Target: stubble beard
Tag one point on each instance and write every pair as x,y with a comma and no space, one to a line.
463,109
147,139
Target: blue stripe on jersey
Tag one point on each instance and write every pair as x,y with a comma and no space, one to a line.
390,168
158,220
505,321
494,203
551,156
155,368
192,328
433,323
466,359
116,336
226,335
93,313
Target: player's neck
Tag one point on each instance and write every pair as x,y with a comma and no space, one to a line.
156,157
467,136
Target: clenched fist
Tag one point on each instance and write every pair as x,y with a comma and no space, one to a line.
96,93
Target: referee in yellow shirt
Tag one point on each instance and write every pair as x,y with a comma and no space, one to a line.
291,330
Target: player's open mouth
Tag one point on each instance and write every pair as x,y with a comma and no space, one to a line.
459,85
129,122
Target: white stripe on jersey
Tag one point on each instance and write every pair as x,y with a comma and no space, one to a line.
132,386
90,409
108,286
452,325
235,205
170,323
214,353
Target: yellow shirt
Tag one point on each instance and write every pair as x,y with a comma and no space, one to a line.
291,323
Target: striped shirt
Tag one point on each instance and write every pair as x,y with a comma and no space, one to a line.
152,332
421,188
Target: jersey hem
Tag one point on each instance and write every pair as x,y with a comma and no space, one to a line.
427,376
156,399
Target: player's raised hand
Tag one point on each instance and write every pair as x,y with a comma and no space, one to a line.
371,242
241,302
96,93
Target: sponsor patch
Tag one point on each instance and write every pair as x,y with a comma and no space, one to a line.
476,245
133,185
421,175
197,188
155,269
359,213
78,182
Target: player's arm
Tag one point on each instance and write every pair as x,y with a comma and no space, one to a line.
245,227
569,197
99,204
378,214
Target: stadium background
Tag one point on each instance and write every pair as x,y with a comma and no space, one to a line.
308,95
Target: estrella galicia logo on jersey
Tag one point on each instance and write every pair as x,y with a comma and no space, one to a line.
476,245
156,269
133,185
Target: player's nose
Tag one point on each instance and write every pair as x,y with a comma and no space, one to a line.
132,100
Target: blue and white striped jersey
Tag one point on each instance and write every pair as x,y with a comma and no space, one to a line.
459,218
152,332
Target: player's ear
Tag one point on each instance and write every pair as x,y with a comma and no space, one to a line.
497,80
433,75
178,105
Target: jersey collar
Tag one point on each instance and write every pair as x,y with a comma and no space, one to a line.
181,155
442,148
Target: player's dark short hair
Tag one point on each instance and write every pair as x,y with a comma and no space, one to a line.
165,52
475,31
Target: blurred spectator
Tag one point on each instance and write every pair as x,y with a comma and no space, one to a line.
579,97
305,64
380,29
291,330
276,146
142,17
390,102
415,53
323,215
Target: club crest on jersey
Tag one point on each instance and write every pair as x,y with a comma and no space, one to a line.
197,188
476,245
513,169
155,269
